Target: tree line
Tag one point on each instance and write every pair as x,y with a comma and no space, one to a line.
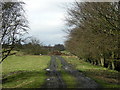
94,32
33,46
14,27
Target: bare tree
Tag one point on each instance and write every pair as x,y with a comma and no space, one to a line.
95,31
14,26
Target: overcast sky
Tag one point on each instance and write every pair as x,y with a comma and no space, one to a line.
46,20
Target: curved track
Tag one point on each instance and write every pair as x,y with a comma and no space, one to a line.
55,80
82,80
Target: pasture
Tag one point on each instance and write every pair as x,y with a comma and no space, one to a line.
28,71
105,77
24,71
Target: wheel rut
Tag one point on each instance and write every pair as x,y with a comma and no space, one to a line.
82,80
54,79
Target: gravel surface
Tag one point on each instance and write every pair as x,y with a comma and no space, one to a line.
82,80
55,80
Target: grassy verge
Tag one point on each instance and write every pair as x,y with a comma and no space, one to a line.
105,77
68,79
24,71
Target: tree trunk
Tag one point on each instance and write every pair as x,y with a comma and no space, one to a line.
99,62
102,61
113,65
109,64
112,61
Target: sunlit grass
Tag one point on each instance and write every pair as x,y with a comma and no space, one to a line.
69,80
24,71
105,77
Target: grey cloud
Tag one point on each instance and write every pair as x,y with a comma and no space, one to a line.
45,20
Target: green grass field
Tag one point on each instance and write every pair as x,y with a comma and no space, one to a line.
105,77
28,71
24,71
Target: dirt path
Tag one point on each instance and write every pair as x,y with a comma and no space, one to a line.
83,81
55,80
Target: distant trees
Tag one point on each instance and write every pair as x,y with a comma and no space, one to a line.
94,33
32,47
14,26
59,47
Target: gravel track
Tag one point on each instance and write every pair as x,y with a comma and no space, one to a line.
82,80
55,80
